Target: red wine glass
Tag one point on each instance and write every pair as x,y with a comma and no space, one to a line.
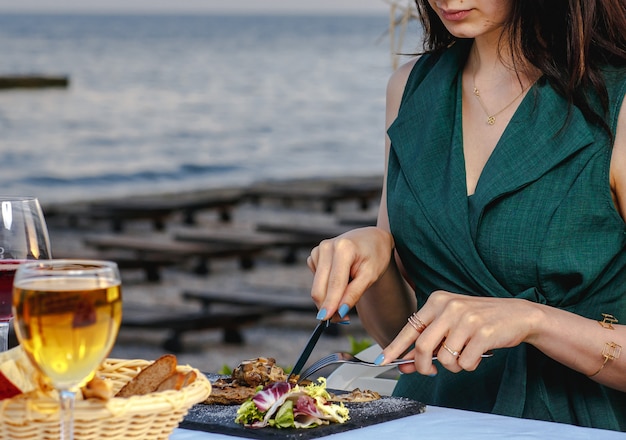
23,237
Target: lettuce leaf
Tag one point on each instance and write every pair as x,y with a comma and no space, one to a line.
284,416
283,405
248,414
268,396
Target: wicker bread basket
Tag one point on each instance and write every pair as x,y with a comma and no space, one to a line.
153,416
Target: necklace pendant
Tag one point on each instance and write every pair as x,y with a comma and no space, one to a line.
491,120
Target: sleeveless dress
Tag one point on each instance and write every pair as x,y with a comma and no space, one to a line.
541,226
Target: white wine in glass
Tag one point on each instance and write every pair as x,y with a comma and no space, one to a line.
23,237
67,316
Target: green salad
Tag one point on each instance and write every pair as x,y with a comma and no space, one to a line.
283,405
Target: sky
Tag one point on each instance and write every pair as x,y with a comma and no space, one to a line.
198,6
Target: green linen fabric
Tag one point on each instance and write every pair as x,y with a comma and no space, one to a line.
540,226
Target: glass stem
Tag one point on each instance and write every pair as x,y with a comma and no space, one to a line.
4,335
67,414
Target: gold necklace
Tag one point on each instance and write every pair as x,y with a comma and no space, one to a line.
491,117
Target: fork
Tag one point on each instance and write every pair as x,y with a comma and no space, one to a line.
347,358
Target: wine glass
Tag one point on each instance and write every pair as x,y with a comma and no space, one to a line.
23,236
67,316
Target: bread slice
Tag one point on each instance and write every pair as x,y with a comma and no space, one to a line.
150,377
97,388
177,381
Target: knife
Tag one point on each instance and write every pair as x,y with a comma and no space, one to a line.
308,348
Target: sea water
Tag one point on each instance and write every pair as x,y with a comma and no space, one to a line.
165,103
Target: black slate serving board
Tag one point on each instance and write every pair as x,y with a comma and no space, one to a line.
221,419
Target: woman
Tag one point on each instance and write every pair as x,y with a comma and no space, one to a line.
501,226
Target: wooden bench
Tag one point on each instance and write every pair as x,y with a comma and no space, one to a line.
276,302
312,233
328,191
364,192
147,248
159,209
269,300
357,219
150,264
292,242
231,322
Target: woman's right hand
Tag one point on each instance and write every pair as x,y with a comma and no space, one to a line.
347,265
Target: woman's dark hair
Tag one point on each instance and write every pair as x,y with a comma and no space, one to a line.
569,41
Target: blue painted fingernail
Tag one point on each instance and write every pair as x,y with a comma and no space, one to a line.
321,314
344,322
343,310
380,359
432,375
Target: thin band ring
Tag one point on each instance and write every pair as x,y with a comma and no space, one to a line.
416,323
449,350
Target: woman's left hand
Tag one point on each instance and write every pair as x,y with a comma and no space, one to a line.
459,329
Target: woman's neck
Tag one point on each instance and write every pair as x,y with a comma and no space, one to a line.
492,64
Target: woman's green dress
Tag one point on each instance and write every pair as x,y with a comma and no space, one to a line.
541,226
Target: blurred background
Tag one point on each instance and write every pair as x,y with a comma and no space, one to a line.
174,95
175,101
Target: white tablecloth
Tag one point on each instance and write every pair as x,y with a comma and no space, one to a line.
450,424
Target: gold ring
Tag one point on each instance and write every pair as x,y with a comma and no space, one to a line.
416,323
449,350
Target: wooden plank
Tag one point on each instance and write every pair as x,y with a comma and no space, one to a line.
289,193
178,324
165,247
328,191
357,219
159,209
315,233
276,301
364,192
223,235
118,215
268,240
32,81
150,264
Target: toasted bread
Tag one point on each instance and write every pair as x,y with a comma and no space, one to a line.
97,388
148,379
177,381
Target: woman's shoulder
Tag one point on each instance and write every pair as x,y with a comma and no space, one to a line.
399,78
413,70
408,77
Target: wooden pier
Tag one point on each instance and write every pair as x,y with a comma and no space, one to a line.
33,81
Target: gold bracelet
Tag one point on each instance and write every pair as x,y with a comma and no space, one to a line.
610,352
608,321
